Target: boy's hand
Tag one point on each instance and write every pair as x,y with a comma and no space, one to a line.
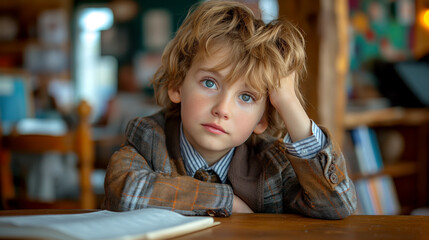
238,206
286,102
285,93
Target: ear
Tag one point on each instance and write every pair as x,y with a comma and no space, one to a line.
174,95
261,126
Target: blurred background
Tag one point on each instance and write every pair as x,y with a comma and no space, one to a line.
74,72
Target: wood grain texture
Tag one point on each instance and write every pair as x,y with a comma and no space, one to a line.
305,15
387,117
291,226
288,226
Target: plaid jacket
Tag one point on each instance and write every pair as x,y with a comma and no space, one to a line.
149,172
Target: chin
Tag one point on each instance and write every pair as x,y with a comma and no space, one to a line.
214,146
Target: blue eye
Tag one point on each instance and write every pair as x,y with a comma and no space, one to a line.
246,98
209,84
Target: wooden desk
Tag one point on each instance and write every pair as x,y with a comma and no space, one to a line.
289,226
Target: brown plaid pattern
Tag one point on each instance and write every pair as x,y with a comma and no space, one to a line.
149,172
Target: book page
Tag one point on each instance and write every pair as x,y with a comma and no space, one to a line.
150,223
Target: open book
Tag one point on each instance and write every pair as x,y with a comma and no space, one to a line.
149,223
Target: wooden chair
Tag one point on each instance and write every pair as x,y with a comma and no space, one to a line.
77,141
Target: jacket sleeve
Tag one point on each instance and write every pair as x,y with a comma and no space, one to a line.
141,175
130,184
319,187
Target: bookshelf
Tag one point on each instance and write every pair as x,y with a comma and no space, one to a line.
410,170
387,117
37,42
394,170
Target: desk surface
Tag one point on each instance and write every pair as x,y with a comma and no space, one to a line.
289,226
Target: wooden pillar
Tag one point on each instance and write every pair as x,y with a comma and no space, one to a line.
334,66
305,14
85,151
325,25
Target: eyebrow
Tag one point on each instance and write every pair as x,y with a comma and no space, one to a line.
211,71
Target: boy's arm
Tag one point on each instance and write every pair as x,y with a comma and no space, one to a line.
286,102
321,187
131,183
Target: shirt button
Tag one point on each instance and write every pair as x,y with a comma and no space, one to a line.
216,213
222,214
332,168
211,213
333,177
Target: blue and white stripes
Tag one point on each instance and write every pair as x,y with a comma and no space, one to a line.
308,147
194,161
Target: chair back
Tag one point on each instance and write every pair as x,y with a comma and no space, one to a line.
78,141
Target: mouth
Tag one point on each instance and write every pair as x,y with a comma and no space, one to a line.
213,128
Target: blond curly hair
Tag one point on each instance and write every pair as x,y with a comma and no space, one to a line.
261,53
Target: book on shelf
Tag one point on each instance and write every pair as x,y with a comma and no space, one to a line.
375,149
376,193
377,196
15,102
367,150
149,223
365,205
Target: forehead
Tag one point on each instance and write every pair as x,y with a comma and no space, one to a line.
215,55
216,60
234,63
225,58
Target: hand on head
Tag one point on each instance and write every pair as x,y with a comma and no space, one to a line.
286,91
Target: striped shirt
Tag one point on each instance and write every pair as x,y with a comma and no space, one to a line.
305,148
194,161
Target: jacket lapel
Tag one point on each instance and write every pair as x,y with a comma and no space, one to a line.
247,178
172,140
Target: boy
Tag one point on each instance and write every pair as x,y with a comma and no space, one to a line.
228,87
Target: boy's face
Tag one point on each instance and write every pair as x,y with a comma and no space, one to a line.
216,116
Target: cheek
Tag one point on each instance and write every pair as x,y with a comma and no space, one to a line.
250,117
193,105
247,122
244,127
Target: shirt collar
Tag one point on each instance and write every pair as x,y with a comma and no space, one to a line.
194,161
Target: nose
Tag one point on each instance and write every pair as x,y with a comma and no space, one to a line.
222,108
